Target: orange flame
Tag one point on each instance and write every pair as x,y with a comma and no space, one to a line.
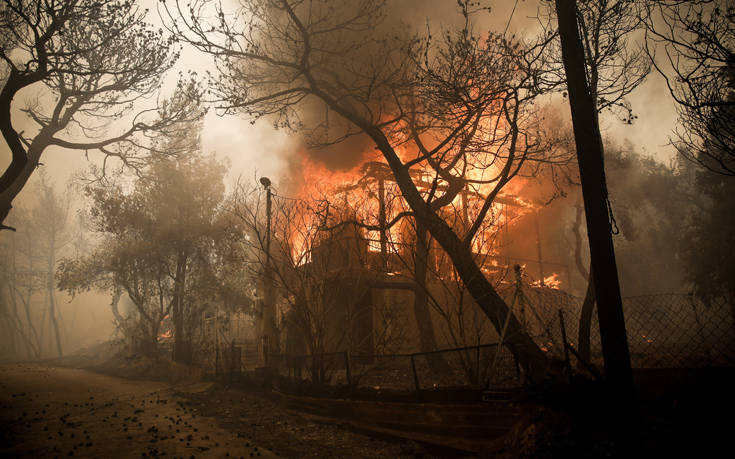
551,281
368,194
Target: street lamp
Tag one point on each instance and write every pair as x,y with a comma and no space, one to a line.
266,182
268,313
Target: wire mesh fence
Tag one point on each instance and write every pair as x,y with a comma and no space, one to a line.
486,365
481,366
664,330
227,345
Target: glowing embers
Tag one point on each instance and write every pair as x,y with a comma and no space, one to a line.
166,329
551,281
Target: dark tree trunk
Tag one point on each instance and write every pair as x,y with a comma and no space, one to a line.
585,321
576,229
382,220
54,320
51,298
148,345
533,361
16,324
588,304
180,352
592,175
424,323
116,295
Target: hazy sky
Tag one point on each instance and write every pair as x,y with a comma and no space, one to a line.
261,149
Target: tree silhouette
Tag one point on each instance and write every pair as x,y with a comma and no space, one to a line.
696,40
91,63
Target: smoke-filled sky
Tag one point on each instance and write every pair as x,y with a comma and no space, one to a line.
261,149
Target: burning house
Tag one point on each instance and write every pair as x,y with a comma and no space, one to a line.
367,281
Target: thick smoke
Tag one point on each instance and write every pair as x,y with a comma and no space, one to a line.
401,17
649,208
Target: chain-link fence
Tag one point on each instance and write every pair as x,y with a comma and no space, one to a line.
664,330
486,366
482,366
228,346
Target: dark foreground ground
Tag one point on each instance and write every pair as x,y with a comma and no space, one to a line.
48,411
51,411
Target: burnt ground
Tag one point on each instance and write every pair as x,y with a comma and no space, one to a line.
55,412
47,411
295,434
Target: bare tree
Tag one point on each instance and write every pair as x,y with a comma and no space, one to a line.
614,66
459,107
461,324
596,202
51,223
91,63
614,63
31,263
697,42
324,290
21,279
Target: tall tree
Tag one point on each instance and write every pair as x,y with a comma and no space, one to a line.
31,262
161,243
52,233
92,63
614,66
707,236
592,175
183,204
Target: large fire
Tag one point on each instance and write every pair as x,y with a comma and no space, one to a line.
368,194
368,199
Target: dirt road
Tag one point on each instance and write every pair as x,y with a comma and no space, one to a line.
61,412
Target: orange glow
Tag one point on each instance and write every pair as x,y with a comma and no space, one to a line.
165,335
368,195
551,281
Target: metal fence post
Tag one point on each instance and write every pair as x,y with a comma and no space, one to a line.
216,361
415,373
348,375
566,346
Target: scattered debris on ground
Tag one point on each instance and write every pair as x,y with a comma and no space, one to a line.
47,411
292,434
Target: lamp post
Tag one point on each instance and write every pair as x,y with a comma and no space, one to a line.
268,332
266,182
